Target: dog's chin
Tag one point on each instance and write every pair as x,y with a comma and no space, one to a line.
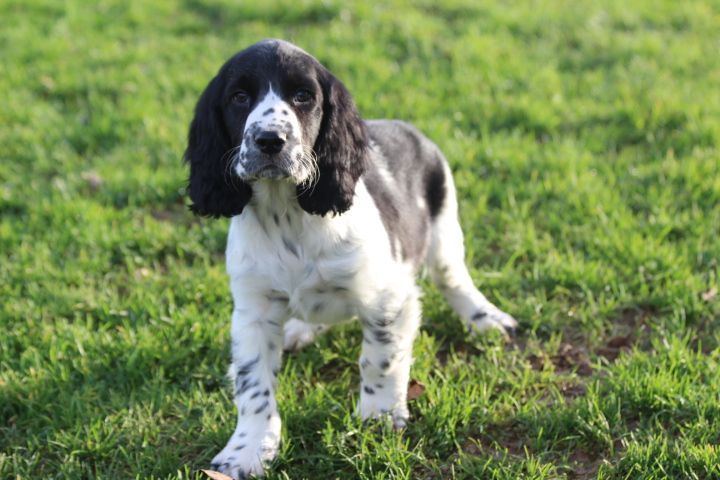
272,172
268,172
263,167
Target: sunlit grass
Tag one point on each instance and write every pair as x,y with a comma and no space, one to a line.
584,140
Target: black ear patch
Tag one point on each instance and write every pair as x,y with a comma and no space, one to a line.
341,149
214,189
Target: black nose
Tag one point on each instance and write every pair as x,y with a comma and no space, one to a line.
269,141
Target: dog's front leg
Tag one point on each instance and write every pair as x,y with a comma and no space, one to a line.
256,355
389,328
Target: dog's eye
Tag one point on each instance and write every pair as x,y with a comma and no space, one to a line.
241,97
302,96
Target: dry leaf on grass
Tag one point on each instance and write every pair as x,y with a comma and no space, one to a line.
710,295
216,475
620,341
93,180
571,357
415,389
615,345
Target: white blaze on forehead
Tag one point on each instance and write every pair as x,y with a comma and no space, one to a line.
273,112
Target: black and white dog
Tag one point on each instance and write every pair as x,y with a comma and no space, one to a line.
332,217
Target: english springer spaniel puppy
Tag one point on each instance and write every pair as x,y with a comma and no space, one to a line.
331,219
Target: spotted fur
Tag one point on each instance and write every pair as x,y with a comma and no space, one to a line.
331,219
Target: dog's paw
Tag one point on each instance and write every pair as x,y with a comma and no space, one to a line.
375,407
299,334
244,456
396,418
492,318
240,461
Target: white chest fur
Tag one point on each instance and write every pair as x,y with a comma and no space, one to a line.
324,268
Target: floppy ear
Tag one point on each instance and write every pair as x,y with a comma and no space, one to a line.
341,150
214,189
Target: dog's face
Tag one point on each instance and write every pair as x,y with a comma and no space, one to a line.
273,112
273,115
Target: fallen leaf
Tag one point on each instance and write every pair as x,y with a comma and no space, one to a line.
537,362
584,369
614,346
216,475
47,82
609,353
572,391
471,447
415,389
570,357
143,272
93,180
710,294
620,341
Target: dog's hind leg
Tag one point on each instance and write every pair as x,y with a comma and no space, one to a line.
446,262
389,328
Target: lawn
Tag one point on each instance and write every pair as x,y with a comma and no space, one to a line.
585,141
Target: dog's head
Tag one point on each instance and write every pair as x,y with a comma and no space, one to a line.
274,113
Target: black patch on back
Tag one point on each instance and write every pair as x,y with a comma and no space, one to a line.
416,192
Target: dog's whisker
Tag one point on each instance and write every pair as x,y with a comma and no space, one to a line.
308,164
229,158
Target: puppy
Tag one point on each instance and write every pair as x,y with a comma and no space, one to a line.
331,219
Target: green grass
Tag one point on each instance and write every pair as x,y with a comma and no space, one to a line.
585,141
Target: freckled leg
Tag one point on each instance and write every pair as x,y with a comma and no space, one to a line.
256,355
388,333
449,272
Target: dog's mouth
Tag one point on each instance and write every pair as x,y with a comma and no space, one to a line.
271,171
267,170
